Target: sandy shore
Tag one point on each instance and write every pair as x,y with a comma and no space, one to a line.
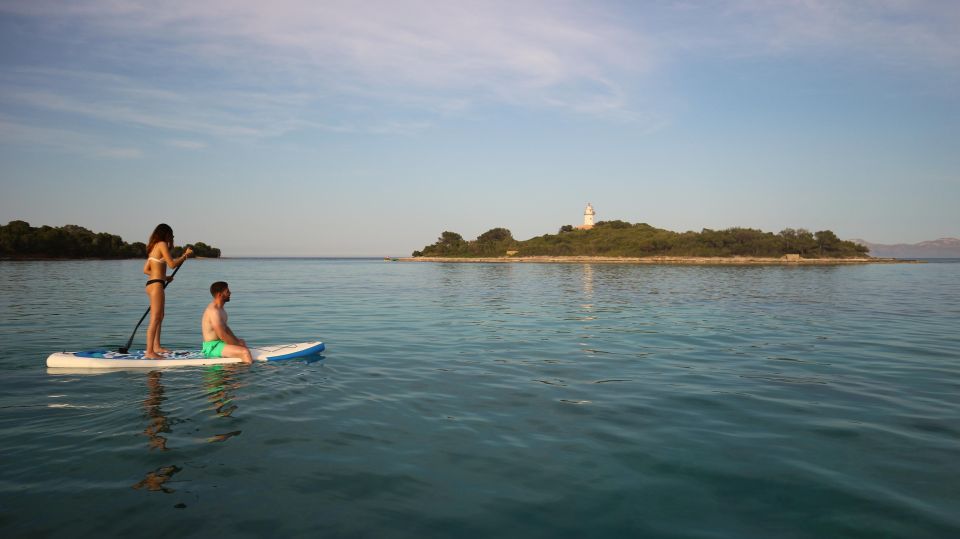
676,260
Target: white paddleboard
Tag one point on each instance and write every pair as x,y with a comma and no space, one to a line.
111,359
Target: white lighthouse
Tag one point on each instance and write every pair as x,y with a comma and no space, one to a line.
588,216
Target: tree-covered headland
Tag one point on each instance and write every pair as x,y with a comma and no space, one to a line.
20,240
623,239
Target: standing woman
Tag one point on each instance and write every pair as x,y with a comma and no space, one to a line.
158,258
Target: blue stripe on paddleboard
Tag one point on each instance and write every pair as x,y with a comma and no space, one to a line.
319,347
111,355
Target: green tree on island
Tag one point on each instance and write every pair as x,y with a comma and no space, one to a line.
622,239
20,240
448,244
200,249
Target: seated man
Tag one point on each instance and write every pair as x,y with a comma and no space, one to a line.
218,338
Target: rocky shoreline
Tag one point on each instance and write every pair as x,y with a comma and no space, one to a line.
670,260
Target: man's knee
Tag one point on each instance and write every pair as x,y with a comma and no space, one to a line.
233,350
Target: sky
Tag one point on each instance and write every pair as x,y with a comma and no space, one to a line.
329,128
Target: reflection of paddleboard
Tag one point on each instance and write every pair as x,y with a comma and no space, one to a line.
109,359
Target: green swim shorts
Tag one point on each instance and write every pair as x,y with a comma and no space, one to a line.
213,348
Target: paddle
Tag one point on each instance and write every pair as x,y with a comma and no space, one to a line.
125,349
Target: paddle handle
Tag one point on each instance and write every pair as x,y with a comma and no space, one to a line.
175,270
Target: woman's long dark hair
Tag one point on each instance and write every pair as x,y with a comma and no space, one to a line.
163,232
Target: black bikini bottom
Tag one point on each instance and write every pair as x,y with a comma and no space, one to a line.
151,281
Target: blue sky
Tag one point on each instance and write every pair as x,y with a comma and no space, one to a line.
311,128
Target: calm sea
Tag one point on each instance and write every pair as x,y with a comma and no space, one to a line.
479,400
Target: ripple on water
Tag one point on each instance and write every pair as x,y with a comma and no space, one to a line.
482,400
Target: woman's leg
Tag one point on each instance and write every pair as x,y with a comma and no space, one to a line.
157,300
163,303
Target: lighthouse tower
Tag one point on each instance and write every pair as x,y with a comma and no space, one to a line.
588,214
588,217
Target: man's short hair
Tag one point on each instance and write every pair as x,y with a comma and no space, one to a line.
217,287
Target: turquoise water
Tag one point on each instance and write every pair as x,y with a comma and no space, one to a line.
475,400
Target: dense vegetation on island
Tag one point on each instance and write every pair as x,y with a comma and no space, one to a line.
20,240
619,238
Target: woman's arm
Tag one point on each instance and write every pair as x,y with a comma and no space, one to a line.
172,262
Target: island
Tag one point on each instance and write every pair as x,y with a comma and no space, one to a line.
19,240
623,242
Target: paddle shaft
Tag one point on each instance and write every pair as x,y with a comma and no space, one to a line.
126,348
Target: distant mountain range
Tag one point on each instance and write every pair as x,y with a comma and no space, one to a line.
942,248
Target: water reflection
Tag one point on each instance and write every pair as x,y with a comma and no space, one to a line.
587,280
223,437
158,423
158,420
155,480
496,281
218,380
218,385
586,285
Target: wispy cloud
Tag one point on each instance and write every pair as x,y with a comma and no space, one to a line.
129,101
253,69
917,33
13,132
526,53
187,144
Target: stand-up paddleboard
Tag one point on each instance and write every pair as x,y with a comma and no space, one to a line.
110,359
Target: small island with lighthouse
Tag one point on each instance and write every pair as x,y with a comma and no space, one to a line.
623,242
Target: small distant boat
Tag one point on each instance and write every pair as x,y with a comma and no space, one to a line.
388,259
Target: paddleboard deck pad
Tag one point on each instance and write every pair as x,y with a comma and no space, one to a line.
111,359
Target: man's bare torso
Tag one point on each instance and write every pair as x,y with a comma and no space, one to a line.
213,317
